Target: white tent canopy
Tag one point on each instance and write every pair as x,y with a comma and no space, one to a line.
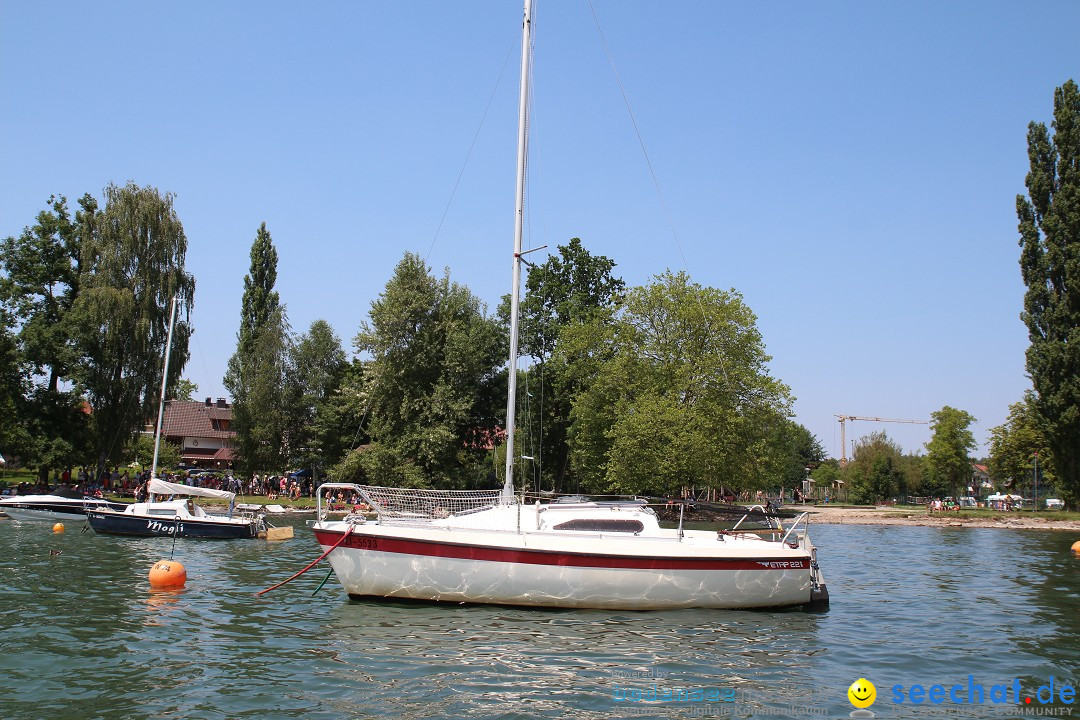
1004,497
160,487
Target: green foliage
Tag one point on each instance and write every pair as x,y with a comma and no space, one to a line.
827,477
315,369
132,255
873,473
676,392
379,464
256,373
39,283
140,451
433,382
1049,257
1013,446
915,477
949,450
184,390
791,449
339,419
567,290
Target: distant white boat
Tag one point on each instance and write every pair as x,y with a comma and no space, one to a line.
53,507
492,547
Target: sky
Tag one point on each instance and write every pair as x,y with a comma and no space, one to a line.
850,168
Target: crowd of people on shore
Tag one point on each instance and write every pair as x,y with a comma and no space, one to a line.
134,484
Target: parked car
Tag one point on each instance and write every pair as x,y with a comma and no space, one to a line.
1054,504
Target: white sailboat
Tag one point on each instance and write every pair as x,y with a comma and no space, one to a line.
492,547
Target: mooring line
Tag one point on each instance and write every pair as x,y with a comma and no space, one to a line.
313,564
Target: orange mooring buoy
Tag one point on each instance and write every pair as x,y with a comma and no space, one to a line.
1076,547
168,574
58,528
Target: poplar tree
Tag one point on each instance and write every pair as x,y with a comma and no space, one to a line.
256,373
1050,266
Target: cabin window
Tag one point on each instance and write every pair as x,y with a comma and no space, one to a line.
602,525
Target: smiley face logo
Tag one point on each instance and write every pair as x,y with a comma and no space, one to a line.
862,693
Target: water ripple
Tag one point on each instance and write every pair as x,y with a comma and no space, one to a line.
84,636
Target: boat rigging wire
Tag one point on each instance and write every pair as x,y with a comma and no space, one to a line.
652,171
468,154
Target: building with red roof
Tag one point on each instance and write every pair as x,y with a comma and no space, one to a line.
201,429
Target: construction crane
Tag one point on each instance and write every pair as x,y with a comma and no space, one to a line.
843,436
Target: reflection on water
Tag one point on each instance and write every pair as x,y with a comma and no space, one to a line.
84,636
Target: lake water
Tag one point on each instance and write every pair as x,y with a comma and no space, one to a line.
83,636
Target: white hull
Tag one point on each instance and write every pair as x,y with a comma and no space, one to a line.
612,571
17,513
50,507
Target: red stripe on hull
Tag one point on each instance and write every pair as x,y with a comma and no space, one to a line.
550,557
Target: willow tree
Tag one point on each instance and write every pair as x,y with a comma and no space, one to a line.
133,254
256,373
1049,262
677,394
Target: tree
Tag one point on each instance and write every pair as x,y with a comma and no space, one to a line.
1014,444
339,419
677,392
133,254
1050,254
39,284
873,473
12,387
184,390
792,450
256,373
434,381
315,370
568,289
949,450
141,452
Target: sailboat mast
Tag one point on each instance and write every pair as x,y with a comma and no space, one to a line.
519,224
164,383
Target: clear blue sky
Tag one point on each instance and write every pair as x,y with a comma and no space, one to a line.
850,167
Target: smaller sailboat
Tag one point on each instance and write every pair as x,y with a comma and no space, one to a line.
176,515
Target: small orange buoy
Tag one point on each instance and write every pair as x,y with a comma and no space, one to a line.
1076,547
58,528
168,574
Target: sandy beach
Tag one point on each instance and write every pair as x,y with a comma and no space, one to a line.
891,516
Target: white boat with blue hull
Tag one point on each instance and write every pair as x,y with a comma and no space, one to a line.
177,517
54,507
